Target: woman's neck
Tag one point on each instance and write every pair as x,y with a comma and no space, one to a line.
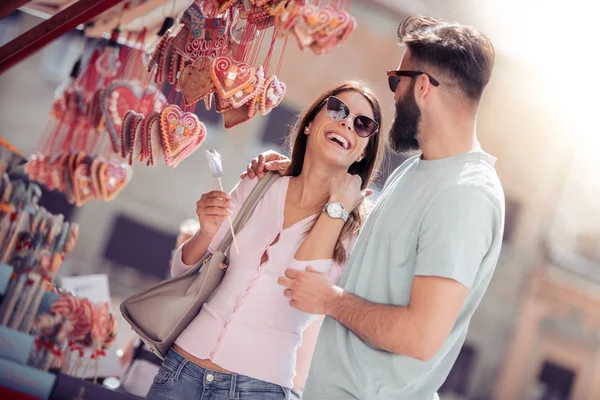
310,189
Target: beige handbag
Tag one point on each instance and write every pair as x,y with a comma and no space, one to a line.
161,312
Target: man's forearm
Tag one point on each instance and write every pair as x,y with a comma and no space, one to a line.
390,328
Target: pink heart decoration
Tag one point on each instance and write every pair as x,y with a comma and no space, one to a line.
273,94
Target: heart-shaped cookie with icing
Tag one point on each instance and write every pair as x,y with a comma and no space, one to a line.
244,96
181,133
195,83
82,184
153,138
316,19
273,93
113,178
135,140
230,76
286,18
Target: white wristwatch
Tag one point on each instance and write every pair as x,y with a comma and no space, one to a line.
336,210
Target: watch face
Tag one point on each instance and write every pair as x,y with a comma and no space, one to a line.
334,210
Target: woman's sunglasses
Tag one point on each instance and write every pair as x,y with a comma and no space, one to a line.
337,110
394,78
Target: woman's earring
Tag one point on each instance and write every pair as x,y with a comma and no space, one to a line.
359,159
306,130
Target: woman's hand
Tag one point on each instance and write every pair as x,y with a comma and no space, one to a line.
212,209
346,190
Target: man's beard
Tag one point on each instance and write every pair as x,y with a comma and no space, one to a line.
404,130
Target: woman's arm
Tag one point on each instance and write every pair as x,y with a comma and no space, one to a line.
212,209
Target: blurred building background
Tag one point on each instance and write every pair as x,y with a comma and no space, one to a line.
536,334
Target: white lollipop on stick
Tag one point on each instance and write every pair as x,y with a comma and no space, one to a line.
216,168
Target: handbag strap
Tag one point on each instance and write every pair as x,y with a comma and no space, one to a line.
255,196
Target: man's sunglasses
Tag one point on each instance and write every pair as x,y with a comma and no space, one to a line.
394,78
337,110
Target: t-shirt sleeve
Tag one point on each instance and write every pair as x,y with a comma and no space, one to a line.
239,194
456,233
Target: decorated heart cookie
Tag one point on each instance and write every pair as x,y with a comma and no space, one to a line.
82,185
286,18
230,76
244,96
273,94
135,140
195,83
181,134
155,150
113,178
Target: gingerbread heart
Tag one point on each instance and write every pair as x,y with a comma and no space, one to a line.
135,138
156,54
335,28
95,172
113,178
316,19
179,131
195,83
153,137
122,96
126,132
82,184
244,96
230,76
237,116
221,104
286,18
273,94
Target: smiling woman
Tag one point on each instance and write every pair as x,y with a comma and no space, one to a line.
309,218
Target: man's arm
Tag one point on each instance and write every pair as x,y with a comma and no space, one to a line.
418,330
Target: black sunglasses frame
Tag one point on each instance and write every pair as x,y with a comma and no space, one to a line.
394,78
376,131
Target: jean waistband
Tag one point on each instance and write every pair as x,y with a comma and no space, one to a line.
180,365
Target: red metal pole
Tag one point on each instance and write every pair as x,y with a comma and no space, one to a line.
8,6
42,34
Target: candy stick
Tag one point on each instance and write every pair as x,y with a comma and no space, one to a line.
216,168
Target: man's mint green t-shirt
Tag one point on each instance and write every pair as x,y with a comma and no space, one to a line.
433,218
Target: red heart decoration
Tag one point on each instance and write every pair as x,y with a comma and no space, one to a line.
181,133
230,76
122,96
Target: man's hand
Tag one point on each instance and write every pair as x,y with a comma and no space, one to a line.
267,161
310,291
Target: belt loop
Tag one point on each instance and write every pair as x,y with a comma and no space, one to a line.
179,368
232,387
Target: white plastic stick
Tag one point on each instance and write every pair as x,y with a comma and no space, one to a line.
237,251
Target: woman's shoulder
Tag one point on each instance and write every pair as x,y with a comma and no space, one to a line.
245,186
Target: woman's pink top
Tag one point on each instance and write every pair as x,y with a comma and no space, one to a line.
248,326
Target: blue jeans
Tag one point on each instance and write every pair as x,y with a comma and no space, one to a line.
180,379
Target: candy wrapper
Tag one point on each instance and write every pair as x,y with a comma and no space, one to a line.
216,168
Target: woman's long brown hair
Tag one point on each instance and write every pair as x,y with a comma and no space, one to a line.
367,168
